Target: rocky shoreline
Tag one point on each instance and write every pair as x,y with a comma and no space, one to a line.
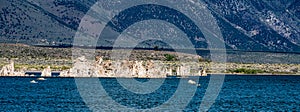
108,68
129,69
152,69
140,63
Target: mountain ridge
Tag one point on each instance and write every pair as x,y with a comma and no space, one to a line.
246,25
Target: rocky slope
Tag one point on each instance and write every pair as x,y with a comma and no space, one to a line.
255,25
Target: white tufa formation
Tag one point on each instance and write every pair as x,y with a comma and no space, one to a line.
9,70
123,68
46,72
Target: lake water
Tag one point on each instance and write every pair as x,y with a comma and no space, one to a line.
239,93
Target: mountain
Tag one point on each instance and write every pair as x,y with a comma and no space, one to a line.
252,25
259,24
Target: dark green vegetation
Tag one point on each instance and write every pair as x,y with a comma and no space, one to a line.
170,57
257,71
247,71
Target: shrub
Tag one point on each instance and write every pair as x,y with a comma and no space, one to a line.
247,71
169,57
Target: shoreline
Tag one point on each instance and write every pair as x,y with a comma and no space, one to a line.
22,60
208,74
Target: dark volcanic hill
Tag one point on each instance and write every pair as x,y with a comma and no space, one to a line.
252,25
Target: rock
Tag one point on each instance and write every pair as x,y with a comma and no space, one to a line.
169,71
82,68
178,73
20,73
33,81
8,70
157,71
41,79
192,82
46,72
122,68
203,73
65,73
141,70
183,70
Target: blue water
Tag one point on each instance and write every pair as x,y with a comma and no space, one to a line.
239,93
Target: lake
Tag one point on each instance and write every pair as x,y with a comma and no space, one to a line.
239,93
